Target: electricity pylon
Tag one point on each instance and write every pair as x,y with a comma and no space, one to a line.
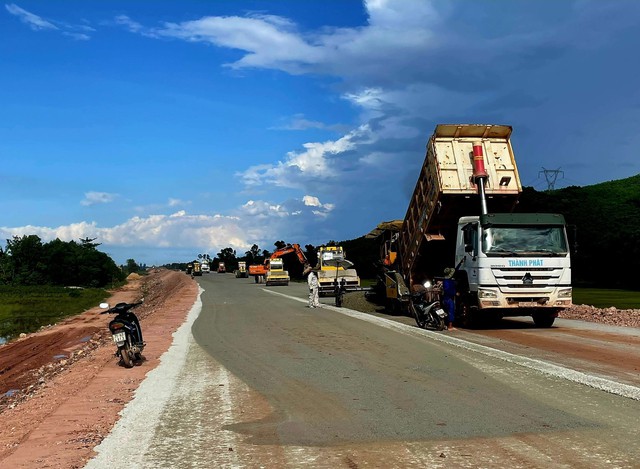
551,175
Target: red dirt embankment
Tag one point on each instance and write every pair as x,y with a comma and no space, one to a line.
61,389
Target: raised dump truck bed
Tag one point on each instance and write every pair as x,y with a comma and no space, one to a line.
445,189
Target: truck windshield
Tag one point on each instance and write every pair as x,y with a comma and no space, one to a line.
524,240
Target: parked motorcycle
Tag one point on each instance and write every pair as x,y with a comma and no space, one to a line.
125,332
427,313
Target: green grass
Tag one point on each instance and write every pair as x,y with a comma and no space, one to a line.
26,309
368,282
601,298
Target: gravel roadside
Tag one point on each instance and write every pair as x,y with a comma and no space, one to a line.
610,316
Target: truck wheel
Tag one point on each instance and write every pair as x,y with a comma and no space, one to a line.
543,319
467,316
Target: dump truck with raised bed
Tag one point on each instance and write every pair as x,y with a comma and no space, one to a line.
333,269
461,215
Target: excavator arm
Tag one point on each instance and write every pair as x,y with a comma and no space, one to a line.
288,249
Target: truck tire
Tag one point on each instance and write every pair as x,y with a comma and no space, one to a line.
543,319
467,316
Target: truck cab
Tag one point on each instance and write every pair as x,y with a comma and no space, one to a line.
515,264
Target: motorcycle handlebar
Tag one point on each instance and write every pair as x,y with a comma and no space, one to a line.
122,307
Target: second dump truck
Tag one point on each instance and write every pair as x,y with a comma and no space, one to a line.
461,215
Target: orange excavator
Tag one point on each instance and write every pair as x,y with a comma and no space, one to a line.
272,270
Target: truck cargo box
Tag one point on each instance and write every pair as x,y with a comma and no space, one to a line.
445,190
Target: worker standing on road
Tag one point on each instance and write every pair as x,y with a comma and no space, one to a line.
312,281
449,294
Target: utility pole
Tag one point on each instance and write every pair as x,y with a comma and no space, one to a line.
551,175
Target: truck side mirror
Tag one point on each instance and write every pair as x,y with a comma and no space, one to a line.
467,236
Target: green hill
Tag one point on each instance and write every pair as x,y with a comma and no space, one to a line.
606,217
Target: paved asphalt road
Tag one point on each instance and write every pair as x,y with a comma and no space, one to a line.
257,379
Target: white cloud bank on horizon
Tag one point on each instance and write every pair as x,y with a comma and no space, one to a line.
183,231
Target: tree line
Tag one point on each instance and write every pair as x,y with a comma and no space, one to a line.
27,260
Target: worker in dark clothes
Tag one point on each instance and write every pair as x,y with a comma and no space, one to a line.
449,294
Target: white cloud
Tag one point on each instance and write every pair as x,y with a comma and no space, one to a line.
177,202
256,222
299,122
319,161
78,36
311,201
78,32
93,198
35,22
268,39
129,24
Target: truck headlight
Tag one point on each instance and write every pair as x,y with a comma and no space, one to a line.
564,293
482,293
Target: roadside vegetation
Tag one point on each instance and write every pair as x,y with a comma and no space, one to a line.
27,261
604,298
42,283
28,308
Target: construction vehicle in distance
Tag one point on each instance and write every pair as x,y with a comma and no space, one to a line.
221,268
276,275
258,271
197,269
460,215
272,270
241,271
333,269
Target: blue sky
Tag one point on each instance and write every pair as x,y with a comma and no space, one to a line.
167,129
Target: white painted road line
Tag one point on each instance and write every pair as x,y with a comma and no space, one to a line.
613,387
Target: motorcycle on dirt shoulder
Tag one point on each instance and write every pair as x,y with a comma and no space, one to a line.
125,332
428,313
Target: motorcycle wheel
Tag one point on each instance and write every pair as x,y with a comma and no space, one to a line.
441,325
126,359
419,320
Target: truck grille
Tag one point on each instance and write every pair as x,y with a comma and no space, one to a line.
519,279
